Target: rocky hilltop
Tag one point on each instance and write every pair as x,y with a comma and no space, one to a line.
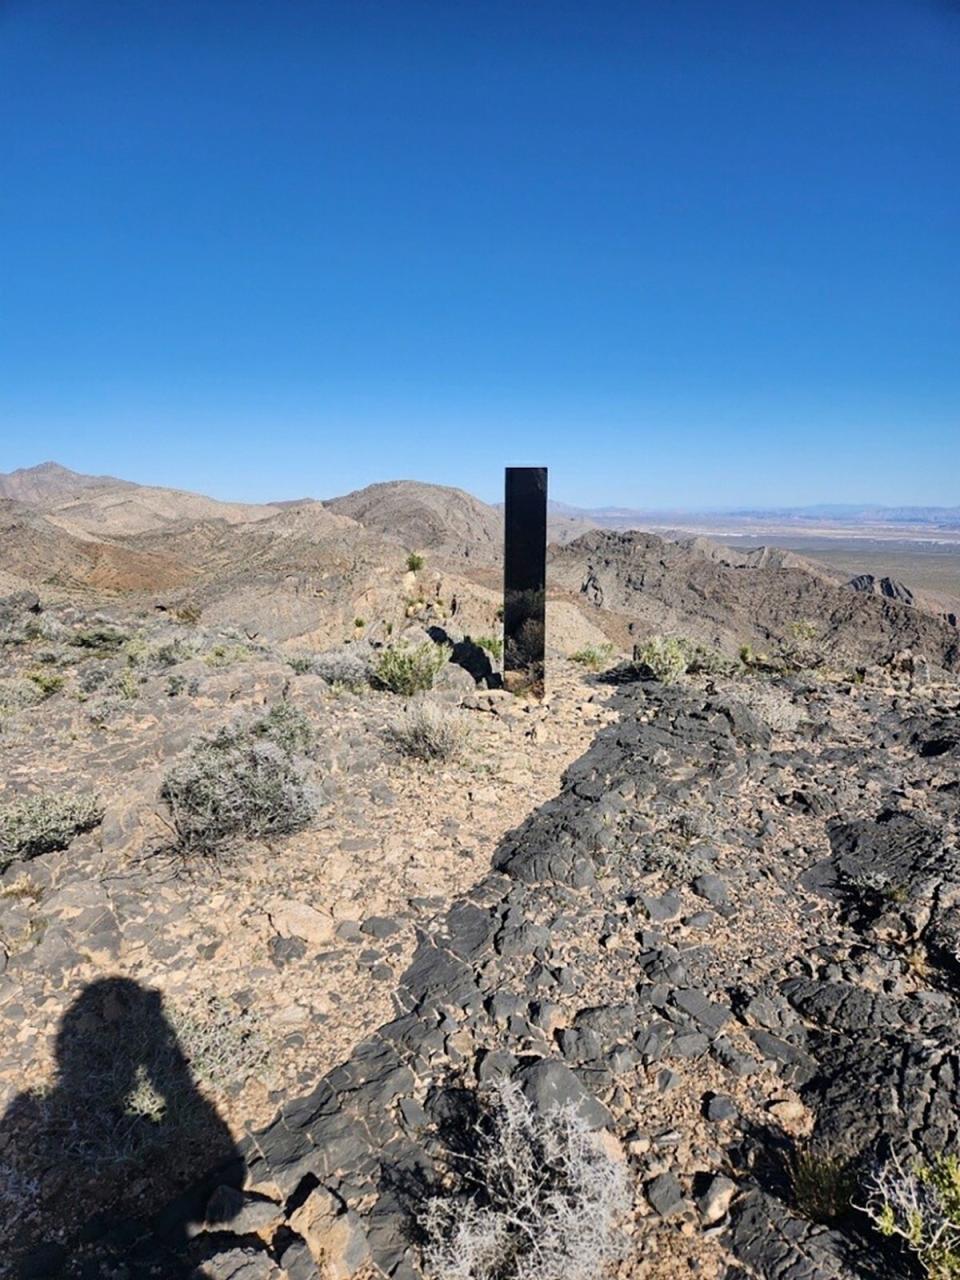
322,956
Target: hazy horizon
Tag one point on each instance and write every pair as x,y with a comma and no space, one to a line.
558,503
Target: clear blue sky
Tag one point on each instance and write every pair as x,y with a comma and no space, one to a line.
686,252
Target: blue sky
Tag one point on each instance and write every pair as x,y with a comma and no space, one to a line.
685,253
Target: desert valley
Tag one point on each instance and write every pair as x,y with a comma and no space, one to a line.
322,955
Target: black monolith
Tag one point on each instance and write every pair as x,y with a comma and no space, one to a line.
524,579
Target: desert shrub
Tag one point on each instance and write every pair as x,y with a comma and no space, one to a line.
158,655
123,685
288,727
922,1207
301,664
242,781
222,1043
663,658
225,655
17,693
112,1119
188,614
822,1183
493,645
47,682
93,676
350,666
429,731
35,824
408,671
593,657
414,562
99,639
773,706
538,1199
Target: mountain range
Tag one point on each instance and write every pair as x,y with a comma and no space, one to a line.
309,570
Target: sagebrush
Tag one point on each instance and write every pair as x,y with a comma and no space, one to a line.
350,666
429,731
35,824
538,1198
246,780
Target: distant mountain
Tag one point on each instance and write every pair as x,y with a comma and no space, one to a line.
106,506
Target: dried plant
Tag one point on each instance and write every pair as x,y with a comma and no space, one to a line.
539,1198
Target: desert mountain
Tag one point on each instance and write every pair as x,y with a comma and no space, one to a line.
40,552
106,506
310,569
427,517
686,588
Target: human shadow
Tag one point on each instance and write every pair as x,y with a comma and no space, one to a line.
120,1131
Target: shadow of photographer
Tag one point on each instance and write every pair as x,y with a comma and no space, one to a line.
121,1130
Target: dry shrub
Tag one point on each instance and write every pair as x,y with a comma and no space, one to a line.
539,1198
31,825
244,781
429,731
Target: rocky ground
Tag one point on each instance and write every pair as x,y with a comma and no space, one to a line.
274,958
730,936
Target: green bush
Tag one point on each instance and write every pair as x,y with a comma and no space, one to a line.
493,646
244,781
35,824
100,639
663,658
593,657
408,671
225,655
46,682
667,658
414,562
823,1183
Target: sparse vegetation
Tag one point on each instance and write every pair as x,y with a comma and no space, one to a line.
350,666
102,640
301,664
222,1043
668,658
242,781
493,645
188,614
46,682
225,655
35,824
822,1182
430,731
539,1198
16,693
414,562
921,1206
663,658
407,671
593,657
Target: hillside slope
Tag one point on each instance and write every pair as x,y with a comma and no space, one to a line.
679,588
107,506
427,517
